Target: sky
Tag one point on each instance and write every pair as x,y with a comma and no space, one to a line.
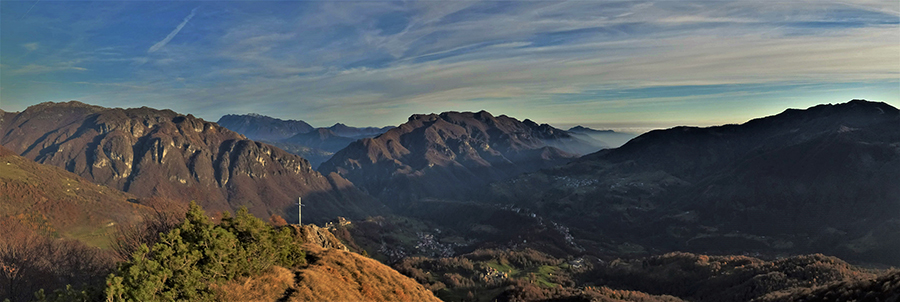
606,64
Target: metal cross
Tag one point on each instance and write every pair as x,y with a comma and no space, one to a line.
299,210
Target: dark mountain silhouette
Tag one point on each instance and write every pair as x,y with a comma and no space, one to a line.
450,155
261,127
604,138
149,152
825,179
357,133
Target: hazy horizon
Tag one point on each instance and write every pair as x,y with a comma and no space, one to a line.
639,64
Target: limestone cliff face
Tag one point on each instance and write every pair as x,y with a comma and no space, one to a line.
149,152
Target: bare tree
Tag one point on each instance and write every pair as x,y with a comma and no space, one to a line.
162,218
30,261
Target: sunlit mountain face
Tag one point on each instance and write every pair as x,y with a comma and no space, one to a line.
449,150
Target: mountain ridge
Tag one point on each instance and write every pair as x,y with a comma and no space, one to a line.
260,127
450,155
822,179
298,137
341,129
151,152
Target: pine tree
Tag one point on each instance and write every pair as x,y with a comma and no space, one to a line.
185,261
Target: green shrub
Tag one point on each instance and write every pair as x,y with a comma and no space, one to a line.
183,264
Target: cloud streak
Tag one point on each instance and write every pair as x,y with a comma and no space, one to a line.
172,34
376,62
30,46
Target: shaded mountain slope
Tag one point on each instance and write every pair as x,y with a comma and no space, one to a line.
315,156
825,179
317,145
695,277
56,202
529,275
883,288
320,138
261,127
149,152
449,155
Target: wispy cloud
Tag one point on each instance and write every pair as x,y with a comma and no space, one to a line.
376,62
30,46
172,34
36,69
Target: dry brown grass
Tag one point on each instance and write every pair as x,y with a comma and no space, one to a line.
270,286
55,202
336,275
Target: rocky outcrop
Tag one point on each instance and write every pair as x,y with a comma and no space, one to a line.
321,237
149,152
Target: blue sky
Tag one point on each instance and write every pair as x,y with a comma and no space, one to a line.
609,64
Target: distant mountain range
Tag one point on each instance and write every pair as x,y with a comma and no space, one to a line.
149,152
604,138
356,133
451,155
320,138
824,179
298,137
510,208
261,127
265,128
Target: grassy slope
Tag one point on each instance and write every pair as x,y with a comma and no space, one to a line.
59,203
336,275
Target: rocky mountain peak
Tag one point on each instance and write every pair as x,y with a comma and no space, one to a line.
423,117
149,152
450,154
321,237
